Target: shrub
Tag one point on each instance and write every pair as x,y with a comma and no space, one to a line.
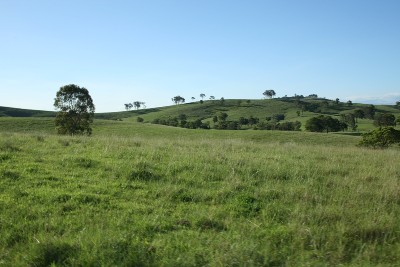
381,138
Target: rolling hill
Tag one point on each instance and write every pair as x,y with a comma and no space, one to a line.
294,109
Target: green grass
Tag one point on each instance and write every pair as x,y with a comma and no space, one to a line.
235,108
148,195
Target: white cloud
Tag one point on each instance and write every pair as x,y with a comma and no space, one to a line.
389,99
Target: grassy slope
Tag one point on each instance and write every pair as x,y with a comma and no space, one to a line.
17,112
234,108
240,108
141,194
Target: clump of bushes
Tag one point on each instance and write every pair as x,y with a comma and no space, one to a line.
181,121
381,138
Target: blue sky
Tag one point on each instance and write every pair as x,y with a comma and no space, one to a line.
150,51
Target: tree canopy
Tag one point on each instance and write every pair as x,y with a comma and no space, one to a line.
384,119
76,110
178,99
269,93
324,123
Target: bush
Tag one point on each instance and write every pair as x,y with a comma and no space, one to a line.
139,119
381,138
278,117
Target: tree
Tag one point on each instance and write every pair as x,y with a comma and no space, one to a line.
324,123
253,120
384,120
398,104
215,119
337,101
137,104
202,96
349,103
212,97
222,116
222,101
178,99
76,110
128,106
278,117
369,111
182,117
350,120
359,113
269,93
193,98
381,138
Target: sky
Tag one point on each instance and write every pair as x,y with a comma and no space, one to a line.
150,51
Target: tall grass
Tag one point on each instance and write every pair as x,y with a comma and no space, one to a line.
157,197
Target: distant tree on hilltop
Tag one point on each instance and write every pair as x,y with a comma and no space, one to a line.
269,93
178,99
128,106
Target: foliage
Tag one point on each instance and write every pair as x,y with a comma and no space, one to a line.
323,123
269,93
138,104
381,138
281,126
178,100
278,117
350,120
128,106
358,113
384,120
76,110
369,111
139,119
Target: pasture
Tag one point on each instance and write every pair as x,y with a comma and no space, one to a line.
149,195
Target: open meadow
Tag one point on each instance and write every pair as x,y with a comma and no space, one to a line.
150,195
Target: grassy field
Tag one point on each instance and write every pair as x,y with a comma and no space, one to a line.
148,195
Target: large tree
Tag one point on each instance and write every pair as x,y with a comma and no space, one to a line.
324,123
269,93
76,110
384,120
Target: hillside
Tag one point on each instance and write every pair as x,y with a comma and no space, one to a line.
294,109
19,112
